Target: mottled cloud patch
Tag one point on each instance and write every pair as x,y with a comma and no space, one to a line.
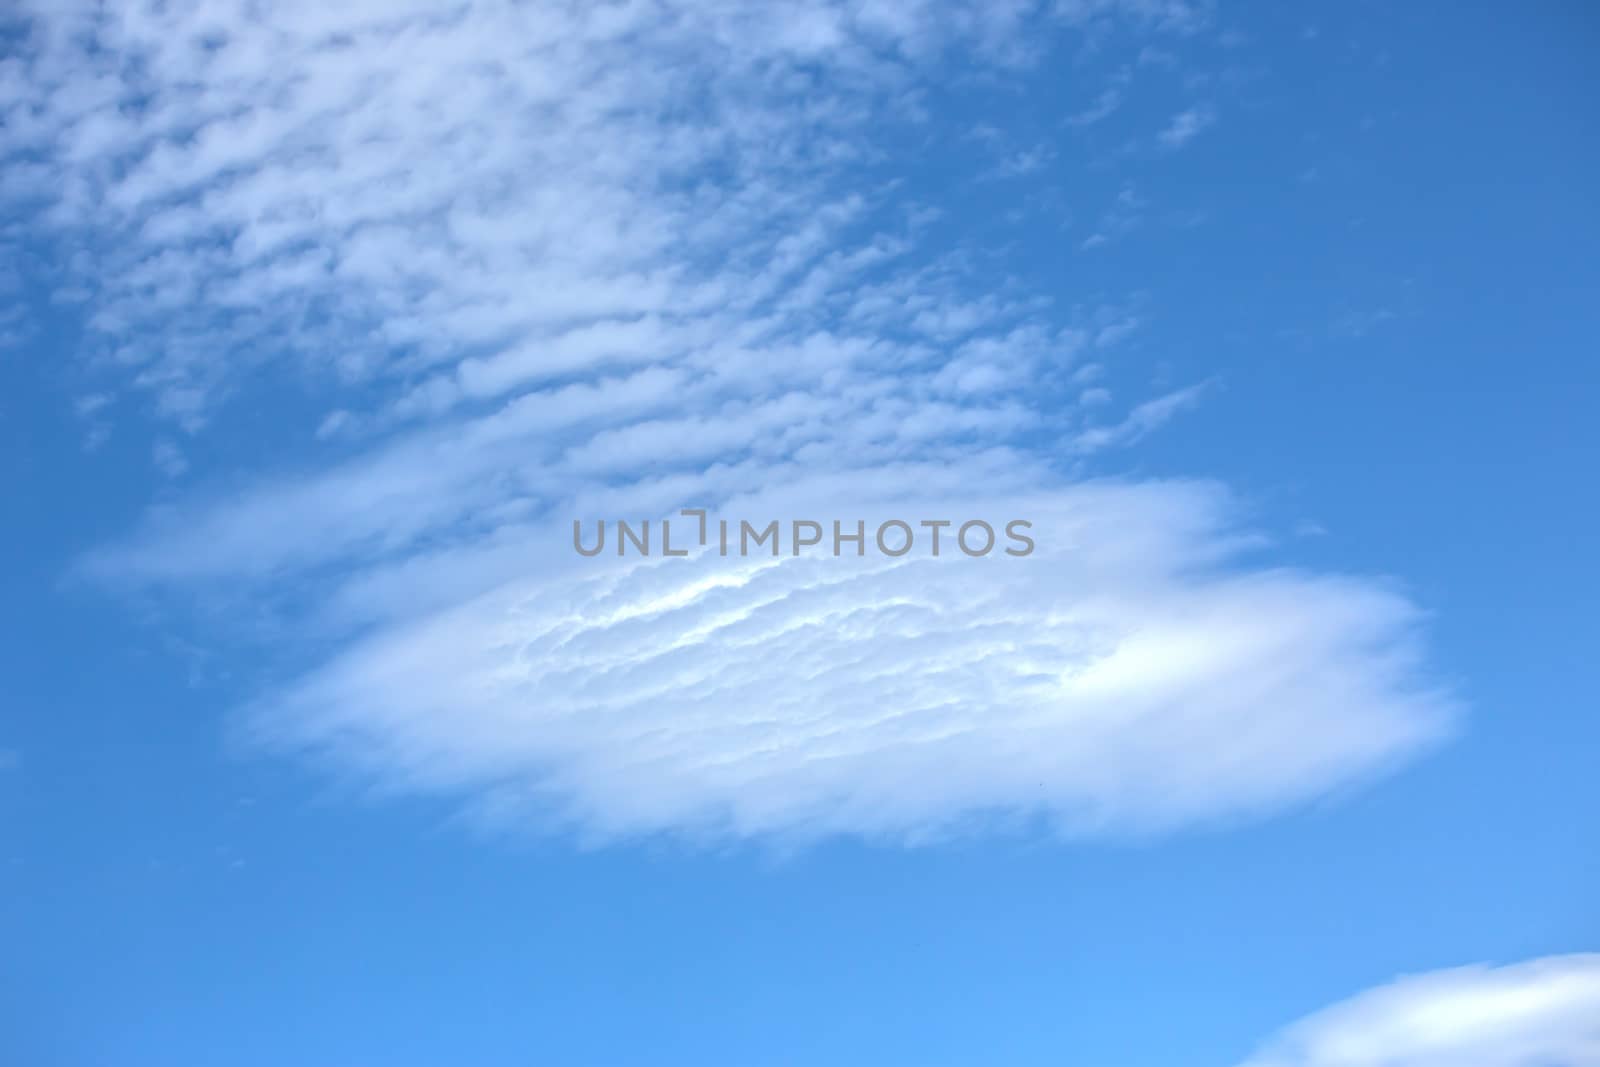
470,273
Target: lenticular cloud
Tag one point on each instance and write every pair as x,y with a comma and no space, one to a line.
1128,675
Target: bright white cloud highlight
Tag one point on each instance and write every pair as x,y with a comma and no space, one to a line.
1544,1013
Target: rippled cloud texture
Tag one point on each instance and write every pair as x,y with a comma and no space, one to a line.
531,263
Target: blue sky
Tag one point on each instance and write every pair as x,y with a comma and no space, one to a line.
319,326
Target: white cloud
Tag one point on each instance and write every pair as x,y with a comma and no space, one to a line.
1105,104
1124,677
1185,126
537,262
1543,1013
1142,421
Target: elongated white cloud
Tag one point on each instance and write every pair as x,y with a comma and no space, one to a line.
520,263
1543,1013
1122,676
